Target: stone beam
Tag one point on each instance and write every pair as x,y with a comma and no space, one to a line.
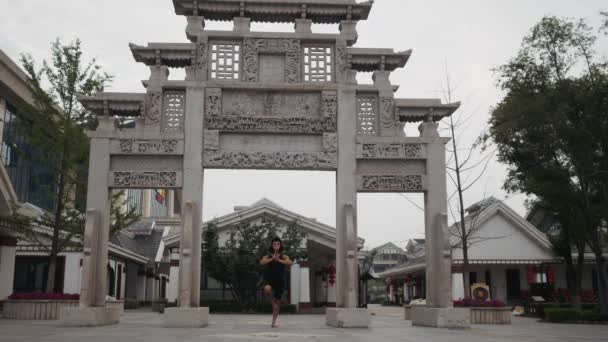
276,11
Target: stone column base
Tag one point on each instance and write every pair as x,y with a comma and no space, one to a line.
453,318
88,317
186,317
348,318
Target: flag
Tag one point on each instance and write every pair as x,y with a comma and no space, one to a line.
160,196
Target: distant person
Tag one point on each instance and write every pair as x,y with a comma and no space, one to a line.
274,276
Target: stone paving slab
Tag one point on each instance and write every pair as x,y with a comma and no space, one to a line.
147,327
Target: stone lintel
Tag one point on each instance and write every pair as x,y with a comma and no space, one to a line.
276,11
451,318
348,318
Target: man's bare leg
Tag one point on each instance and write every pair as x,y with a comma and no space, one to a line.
275,312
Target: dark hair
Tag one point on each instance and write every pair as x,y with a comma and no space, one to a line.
276,239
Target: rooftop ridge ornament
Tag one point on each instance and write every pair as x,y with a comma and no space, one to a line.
276,11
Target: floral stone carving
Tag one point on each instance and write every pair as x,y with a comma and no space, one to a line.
159,146
290,47
271,124
329,104
213,101
154,107
211,140
330,142
145,179
387,112
270,160
391,151
391,183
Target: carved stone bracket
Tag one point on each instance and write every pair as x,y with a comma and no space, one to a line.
290,47
390,151
390,183
154,106
211,140
145,179
213,101
147,146
329,104
270,125
270,160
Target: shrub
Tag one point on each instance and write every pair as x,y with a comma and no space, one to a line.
470,302
131,304
561,315
44,296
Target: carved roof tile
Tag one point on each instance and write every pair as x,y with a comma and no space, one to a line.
365,59
276,11
115,104
174,55
416,110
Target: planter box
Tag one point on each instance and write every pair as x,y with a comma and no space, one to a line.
490,315
408,311
44,309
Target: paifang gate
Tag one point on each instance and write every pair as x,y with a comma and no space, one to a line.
262,100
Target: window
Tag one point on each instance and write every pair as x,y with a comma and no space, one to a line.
318,64
225,60
31,274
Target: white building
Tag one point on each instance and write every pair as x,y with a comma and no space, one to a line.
509,254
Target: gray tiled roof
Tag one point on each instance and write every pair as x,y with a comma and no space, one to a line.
141,237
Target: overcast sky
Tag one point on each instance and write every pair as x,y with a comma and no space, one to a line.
470,36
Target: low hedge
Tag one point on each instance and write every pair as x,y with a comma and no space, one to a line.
538,309
568,315
44,296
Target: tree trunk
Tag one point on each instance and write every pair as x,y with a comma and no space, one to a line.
52,271
574,275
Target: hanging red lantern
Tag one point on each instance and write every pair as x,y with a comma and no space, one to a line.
550,275
331,273
531,274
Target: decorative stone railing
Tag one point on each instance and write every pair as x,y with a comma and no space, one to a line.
43,309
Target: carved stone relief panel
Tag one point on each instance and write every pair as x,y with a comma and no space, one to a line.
152,179
202,57
387,112
146,163
389,151
341,60
329,104
259,124
147,146
270,160
367,115
213,101
330,142
290,47
270,103
391,183
154,106
391,167
174,110
211,140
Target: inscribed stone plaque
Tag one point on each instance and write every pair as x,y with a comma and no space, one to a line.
272,68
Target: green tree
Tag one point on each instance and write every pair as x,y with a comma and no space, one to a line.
551,129
55,130
236,263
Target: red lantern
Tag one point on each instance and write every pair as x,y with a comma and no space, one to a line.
531,274
331,272
550,275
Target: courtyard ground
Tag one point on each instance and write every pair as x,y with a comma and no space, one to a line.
387,325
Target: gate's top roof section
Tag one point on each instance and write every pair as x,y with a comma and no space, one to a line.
276,11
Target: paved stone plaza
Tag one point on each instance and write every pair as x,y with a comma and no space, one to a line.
387,325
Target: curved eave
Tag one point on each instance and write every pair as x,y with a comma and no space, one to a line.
115,104
369,60
272,11
178,55
416,110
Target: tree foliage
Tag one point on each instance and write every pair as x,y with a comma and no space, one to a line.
551,129
54,129
237,262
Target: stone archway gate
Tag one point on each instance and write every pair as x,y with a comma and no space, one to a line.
261,100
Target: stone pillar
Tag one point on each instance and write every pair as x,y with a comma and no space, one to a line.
141,286
171,203
147,203
303,26
242,24
294,284
305,304
172,288
457,286
8,250
346,314
92,310
439,311
189,314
